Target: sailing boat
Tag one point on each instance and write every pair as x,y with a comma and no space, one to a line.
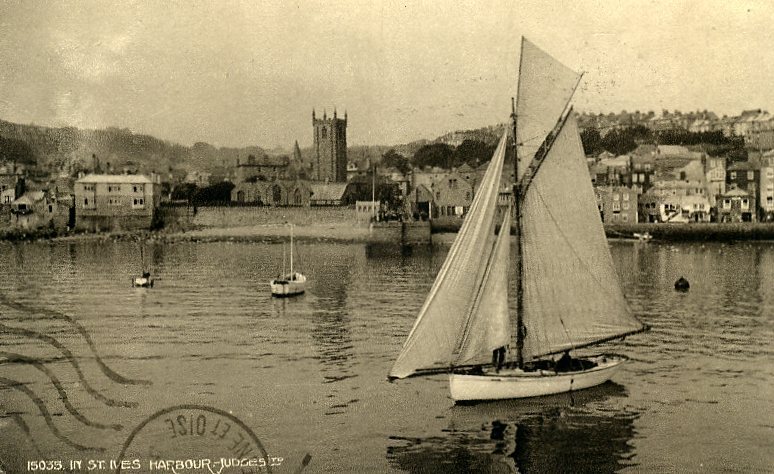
567,292
288,284
145,280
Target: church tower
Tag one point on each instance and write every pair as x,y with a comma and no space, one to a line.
329,160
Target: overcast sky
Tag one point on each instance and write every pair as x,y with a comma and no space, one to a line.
249,73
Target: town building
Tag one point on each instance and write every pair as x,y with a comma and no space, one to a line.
452,196
745,175
327,194
736,205
272,193
617,204
766,187
329,162
262,168
35,209
116,202
641,172
715,175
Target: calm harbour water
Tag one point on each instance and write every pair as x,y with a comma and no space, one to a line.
308,374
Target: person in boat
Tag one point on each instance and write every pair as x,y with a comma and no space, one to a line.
564,364
498,358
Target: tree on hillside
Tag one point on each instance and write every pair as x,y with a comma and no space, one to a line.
592,141
12,149
396,160
184,191
473,152
434,154
219,192
619,142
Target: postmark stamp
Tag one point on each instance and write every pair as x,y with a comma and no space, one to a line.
194,439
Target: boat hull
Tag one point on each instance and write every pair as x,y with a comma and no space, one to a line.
141,282
515,383
288,286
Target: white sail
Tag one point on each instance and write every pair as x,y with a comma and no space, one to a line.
489,323
572,297
436,332
545,89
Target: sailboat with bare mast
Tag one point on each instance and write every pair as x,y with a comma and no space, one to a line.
291,283
567,291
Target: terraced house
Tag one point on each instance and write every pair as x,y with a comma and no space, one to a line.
116,202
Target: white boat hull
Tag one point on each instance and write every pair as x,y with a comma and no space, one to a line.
289,285
142,282
515,383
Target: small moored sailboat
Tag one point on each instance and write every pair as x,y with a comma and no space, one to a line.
567,292
288,284
145,280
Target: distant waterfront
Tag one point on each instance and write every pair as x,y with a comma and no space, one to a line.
348,232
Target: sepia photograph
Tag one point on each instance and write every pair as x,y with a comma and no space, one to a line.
267,236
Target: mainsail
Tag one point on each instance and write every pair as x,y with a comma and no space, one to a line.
436,333
572,297
545,89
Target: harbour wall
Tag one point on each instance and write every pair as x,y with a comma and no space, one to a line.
403,233
719,232
240,216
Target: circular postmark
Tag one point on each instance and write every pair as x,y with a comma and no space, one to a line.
194,439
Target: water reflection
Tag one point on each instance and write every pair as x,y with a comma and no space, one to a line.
576,432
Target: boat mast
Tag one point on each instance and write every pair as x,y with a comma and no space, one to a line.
291,250
518,254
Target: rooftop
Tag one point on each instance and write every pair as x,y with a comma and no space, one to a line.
115,179
328,191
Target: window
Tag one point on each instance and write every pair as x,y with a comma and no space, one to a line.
745,204
733,175
438,195
750,175
616,207
88,187
626,206
137,188
626,197
726,204
625,218
50,208
616,196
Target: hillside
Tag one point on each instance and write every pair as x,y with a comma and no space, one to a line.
69,149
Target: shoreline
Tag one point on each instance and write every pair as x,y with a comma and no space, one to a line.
347,232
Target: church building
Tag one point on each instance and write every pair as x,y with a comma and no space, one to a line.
329,152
